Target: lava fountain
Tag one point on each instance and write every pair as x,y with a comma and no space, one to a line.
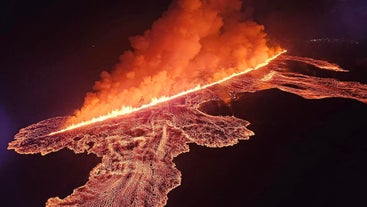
146,112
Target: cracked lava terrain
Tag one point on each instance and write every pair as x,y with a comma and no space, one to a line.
137,149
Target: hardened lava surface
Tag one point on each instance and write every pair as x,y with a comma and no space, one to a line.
137,149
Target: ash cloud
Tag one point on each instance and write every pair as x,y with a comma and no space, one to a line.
194,42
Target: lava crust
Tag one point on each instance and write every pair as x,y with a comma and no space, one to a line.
137,149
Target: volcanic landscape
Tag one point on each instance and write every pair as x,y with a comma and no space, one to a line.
157,101
137,149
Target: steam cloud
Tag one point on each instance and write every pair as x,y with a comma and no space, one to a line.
194,42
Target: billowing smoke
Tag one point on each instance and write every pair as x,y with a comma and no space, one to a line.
194,42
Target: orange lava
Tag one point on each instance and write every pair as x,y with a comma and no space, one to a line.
322,64
129,109
138,149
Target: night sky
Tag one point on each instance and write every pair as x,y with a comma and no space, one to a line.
304,153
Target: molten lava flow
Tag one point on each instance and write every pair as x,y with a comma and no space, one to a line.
137,149
129,109
322,64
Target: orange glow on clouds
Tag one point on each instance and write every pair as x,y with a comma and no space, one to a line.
193,45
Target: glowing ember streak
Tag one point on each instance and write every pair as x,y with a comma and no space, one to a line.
129,109
322,64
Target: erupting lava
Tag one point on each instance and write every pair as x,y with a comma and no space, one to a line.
195,43
129,109
196,47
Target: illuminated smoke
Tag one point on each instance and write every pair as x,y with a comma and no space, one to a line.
194,42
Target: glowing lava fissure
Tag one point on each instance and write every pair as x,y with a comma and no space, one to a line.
129,109
193,44
137,149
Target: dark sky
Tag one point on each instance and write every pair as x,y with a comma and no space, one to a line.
52,52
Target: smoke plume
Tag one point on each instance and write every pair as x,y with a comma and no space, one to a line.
194,42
